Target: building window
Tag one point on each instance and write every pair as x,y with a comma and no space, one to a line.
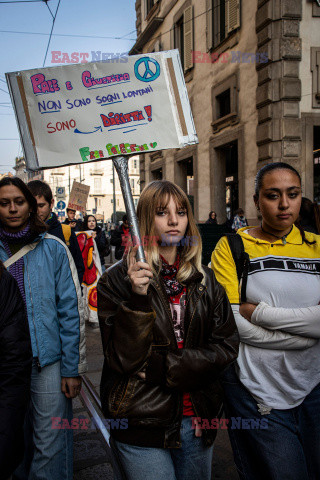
178,39
156,174
316,9
132,183
97,185
223,20
183,37
185,173
219,20
315,68
134,163
223,104
149,5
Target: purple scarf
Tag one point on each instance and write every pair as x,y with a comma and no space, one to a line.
23,237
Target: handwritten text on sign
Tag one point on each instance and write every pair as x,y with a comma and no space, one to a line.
141,106
79,196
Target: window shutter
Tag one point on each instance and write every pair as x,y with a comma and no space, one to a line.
315,68
188,37
317,92
209,4
232,15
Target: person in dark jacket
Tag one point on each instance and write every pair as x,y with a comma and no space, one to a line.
48,282
168,332
76,225
212,220
15,373
45,201
309,216
90,223
120,237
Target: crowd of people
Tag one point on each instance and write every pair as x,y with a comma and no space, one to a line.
183,343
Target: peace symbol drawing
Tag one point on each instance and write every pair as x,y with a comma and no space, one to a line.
146,69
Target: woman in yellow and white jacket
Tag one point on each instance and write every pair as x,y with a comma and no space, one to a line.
277,375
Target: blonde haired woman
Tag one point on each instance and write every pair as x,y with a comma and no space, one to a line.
168,332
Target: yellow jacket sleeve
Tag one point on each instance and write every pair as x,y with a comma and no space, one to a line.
224,268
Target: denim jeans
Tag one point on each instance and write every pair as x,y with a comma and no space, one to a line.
289,449
48,451
190,462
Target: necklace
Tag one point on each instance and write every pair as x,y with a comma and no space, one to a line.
283,238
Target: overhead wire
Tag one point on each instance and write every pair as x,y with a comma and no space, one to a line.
5,91
49,9
67,35
25,1
53,22
123,36
114,38
184,23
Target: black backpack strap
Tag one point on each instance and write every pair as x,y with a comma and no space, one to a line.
242,262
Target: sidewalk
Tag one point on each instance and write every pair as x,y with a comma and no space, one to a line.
91,455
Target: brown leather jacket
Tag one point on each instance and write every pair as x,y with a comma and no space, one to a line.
137,333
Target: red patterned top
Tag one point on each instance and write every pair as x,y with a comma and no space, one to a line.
177,296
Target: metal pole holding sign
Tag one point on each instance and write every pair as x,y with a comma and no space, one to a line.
121,165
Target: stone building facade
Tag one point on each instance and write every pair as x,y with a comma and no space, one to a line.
22,172
252,70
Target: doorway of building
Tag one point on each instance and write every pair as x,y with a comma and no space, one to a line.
184,178
156,174
316,163
232,180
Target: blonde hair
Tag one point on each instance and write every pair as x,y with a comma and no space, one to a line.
157,194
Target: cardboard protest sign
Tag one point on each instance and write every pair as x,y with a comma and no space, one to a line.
83,112
78,196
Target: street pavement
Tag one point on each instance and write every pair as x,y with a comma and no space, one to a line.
91,454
